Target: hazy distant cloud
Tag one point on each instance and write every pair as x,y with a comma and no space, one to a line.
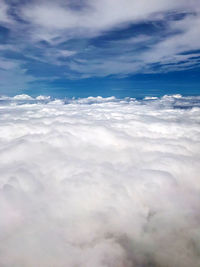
13,77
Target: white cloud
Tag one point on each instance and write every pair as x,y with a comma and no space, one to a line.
186,39
43,97
100,182
55,55
4,17
97,15
22,97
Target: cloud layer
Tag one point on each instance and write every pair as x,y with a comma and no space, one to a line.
99,182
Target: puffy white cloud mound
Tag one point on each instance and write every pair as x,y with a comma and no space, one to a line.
22,97
43,97
98,183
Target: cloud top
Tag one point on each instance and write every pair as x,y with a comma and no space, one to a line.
99,182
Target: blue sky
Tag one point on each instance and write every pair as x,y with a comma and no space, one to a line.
107,47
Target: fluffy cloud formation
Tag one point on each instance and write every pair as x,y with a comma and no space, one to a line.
99,182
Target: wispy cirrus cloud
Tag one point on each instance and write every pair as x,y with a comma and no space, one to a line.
100,38
4,17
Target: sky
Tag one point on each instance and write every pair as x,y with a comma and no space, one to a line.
109,47
100,136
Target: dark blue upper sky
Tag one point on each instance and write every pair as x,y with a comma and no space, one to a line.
91,47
